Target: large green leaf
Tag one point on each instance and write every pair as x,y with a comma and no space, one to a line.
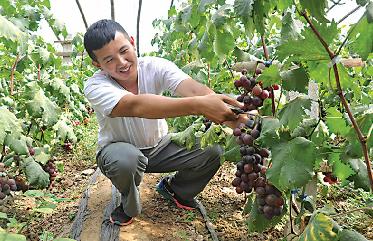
64,131
363,32
320,228
292,163
59,85
340,169
9,30
17,144
258,223
295,79
206,45
224,41
35,174
211,136
289,30
336,122
4,236
8,124
269,134
243,9
41,106
187,137
232,150
293,112
360,179
365,123
316,8
270,76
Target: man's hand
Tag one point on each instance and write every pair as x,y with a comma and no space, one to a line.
214,107
242,118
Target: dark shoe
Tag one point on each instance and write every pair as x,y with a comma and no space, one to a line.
119,217
164,188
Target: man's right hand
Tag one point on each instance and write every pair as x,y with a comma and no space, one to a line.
214,107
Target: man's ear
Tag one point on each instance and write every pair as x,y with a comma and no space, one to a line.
132,41
95,63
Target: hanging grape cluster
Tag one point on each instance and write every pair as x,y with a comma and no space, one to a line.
6,184
251,169
253,93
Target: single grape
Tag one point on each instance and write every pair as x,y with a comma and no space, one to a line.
236,182
264,95
237,83
257,91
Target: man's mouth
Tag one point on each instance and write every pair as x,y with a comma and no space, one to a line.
124,70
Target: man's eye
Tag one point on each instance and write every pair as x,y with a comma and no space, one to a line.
108,61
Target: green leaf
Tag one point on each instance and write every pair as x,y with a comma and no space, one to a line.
336,122
351,235
4,236
321,134
41,106
370,12
259,16
44,210
34,193
206,45
316,8
258,223
3,215
320,228
294,112
250,202
10,31
360,179
342,170
8,124
59,85
363,44
17,144
224,41
64,131
292,163
35,174
295,79
187,137
269,134
243,9
270,76
211,136
290,30
221,16
305,128
365,123
42,157
203,4
232,150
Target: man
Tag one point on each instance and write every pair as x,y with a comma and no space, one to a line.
126,96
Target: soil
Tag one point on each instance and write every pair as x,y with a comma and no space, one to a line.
159,220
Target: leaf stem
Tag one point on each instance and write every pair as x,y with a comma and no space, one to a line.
362,138
348,14
12,75
351,211
266,55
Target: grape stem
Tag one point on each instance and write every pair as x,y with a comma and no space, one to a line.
362,138
291,218
266,55
12,75
229,68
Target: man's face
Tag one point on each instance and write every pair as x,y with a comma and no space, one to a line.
118,58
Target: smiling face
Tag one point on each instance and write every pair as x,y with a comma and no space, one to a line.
118,58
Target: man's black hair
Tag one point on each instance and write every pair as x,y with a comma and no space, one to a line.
100,33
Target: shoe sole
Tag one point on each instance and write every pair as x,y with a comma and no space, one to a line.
121,224
169,197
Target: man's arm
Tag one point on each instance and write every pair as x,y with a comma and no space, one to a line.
191,87
212,106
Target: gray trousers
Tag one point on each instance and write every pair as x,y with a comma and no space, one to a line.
125,165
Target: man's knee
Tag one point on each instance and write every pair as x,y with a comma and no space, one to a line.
214,153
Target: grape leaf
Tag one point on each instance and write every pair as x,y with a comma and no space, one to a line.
203,4
294,112
58,85
289,30
336,122
42,157
8,124
316,8
231,150
187,137
365,123
221,16
305,128
321,134
11,236
292,163
258,223
211,136
41,106
35,174
320,228
269,134
270,76
10,31
64,131
224,41
370,12
295,79
206,45
363,32
350,235
243,9
360,179
17,144
340,169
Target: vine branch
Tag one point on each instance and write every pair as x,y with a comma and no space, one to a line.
351,211
266,55
362,138
12,75
348,14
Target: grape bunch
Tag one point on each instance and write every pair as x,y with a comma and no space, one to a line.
251,170
253,93
6,184
51,169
